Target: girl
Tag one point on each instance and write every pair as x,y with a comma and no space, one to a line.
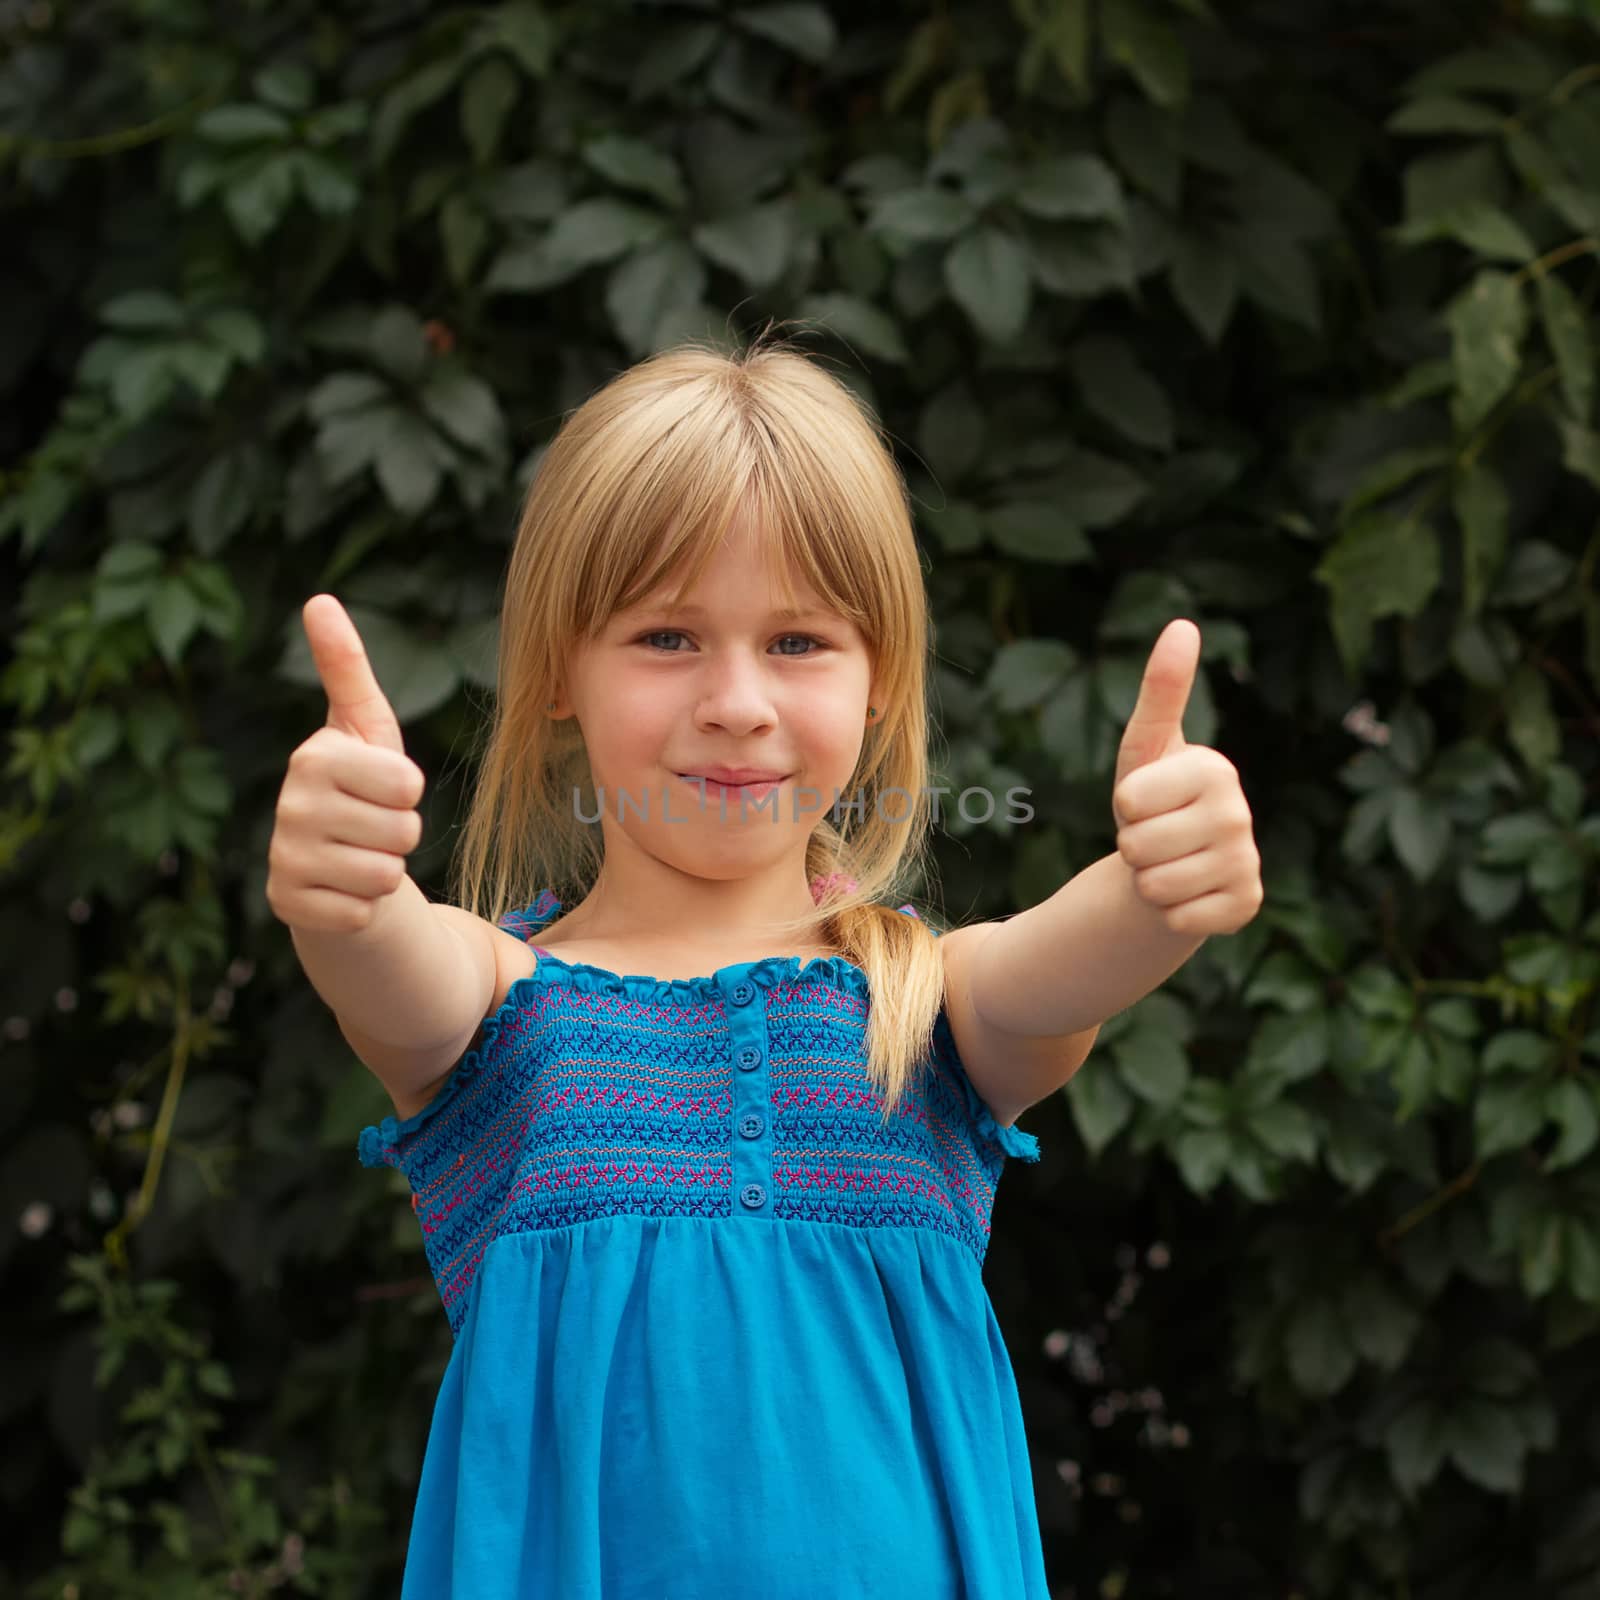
708,1200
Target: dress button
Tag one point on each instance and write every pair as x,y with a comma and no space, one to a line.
749,1058
742,993
751,1124
753,1195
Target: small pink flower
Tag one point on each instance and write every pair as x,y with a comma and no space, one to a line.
821,885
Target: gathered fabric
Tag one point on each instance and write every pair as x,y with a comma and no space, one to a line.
718,1330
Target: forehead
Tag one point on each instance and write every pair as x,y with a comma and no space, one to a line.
740,570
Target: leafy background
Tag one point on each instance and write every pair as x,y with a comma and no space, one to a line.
1277,317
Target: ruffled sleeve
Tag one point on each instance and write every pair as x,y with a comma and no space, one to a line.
1013,1141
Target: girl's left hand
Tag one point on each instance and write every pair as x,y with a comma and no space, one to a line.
1183,825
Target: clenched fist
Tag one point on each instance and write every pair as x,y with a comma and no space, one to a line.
1183,824
346,815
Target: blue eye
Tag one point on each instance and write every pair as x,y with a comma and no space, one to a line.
674,633
807,638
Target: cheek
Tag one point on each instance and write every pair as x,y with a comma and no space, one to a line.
831,739
634,713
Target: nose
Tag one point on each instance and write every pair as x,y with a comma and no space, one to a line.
734,695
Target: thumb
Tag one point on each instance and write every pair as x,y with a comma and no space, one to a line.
356,704
1156,727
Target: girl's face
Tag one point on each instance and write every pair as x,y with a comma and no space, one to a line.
668,694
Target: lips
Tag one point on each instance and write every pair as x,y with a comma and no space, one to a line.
734,777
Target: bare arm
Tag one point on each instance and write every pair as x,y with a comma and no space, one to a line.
409,990
1073,961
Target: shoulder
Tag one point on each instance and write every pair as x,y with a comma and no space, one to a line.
958,947
512,959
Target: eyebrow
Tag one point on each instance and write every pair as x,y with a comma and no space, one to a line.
786,614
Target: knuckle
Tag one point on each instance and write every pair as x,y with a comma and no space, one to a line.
308,755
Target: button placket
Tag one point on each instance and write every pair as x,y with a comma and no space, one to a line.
751,1132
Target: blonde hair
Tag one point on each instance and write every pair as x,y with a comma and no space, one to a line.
647,475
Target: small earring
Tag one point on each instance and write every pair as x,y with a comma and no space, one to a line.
872,711
551,706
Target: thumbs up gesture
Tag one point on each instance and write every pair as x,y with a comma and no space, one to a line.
1183,825
346,815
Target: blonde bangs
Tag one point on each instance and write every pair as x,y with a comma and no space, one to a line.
701,444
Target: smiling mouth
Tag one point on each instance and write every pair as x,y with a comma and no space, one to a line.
718,783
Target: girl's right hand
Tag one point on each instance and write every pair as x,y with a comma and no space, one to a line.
346,816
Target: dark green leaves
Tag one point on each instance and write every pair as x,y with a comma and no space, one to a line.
1445,113
243,124
1076,186
1482,510
989,277
634,164
1036,530
1115,387
1484,229
599,230
1381,565
132,580
1567,332
912,216
1027,671
801,27
261,156
1137,38
645,290
754,244
950,431
487,96
1487,322
1151,1056
160,347
412,420
1100,1106
1205,281
858,322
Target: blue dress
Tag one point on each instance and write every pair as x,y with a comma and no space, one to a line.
718,1334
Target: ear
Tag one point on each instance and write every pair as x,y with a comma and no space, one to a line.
874,698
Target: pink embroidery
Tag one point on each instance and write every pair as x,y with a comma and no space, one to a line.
594,1100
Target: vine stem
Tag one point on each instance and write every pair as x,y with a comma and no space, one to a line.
1581,246
1491,425
161,1134
1552,96
1575,80
101,144
1458,1185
